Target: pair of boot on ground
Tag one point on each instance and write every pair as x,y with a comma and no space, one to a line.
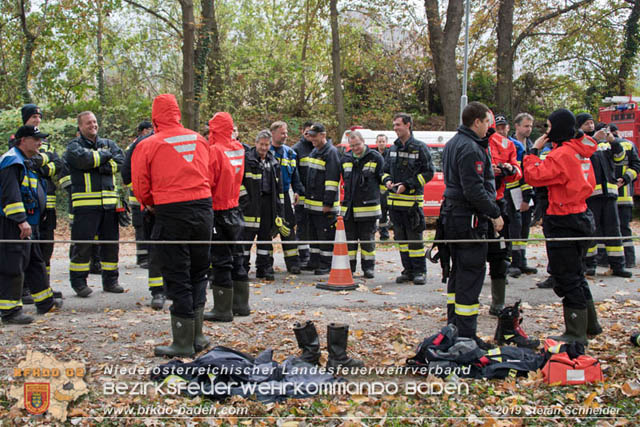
337,338
188,338
229,302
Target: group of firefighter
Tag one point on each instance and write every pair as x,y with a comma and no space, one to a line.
187,187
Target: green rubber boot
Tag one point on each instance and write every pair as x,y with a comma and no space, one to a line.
575,322
200,341
183,336
222,305
498,287
593,327
241,298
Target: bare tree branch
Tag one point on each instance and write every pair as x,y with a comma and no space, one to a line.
528,32
157,15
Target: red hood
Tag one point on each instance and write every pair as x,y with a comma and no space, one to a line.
585,146
220,128
165,112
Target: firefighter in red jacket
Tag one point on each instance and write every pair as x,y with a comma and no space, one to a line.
568,174
229,281
504,161
170,176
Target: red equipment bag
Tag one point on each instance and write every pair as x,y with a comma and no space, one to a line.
562,369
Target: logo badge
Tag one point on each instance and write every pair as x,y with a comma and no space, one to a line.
479,168
505,143
36,397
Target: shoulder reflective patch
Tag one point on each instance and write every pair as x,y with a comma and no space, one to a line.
586,141
479,167
586,166
181,138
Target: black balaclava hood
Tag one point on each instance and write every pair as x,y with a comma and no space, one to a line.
581,119
563,124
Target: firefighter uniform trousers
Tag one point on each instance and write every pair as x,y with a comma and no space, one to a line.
625,213
88,223
365,232
468,268
264,257
47,229
137,220
184,266
565,257
302,231
605,214
21,264
498,252
412,255
321,227
154,275
227,226
383,223
291,258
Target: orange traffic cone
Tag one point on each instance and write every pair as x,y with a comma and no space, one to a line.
340,278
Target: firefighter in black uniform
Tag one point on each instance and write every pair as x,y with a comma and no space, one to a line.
93,164
22,203
383,223
47,164
322,196
627,171
469,204
261,203
602,202
145,128
143,221
303,148
362,174
409,168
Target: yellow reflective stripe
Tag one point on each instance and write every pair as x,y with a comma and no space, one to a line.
346,165
368,253
45,158
392,202
14,208
29,182
632,174
130,185
87,182
421,179
79,266
467,310
133,199
304,161
366,208
405,196
109,266
404,247
96,159
41,296
114,166
86,195
6,304
252,219
385,176
526,187
155,282
52,169
316,161
514,184
65,179
451,298
614,250
619,157
416,253
329,182
592,250
290,253
253,175
352,254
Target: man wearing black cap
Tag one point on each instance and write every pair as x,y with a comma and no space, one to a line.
22,203
143,222
602,202
627,171
93,164
322,196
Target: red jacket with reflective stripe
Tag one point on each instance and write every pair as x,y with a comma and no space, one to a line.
226,162
567,173
171,166
504,151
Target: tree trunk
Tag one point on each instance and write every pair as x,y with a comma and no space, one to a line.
27,57
201,53
215,82
189,113
631,42
504,62
102,97
442,44
338,97
308,20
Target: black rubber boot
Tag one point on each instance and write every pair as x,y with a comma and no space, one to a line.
18,318
183,336
575,322
498,287
337,338
509,330
308,341
593,327
241,298
200,341
222,305
157,300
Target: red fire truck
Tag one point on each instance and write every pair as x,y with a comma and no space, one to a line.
624,112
